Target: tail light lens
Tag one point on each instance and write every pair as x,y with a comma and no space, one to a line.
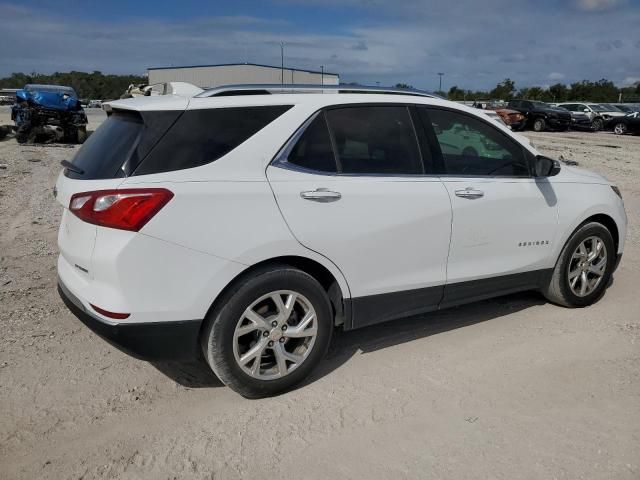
127,209
107,313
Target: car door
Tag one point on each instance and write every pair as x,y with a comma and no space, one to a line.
351,185
504,220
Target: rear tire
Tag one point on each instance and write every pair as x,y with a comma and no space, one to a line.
573,270
620,128
289,350
539,125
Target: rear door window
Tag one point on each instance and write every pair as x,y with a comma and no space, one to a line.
313,150
375,140
203,136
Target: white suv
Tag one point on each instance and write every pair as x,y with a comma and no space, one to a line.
244,225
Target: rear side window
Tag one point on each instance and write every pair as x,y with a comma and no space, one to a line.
203,136
313,150
105,151
375,140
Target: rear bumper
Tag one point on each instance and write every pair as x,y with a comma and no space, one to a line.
177,340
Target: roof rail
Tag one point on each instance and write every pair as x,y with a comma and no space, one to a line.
268,89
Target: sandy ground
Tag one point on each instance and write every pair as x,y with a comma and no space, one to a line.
512,388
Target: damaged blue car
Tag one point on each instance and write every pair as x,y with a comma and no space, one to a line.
48,113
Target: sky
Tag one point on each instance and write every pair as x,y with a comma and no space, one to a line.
475,43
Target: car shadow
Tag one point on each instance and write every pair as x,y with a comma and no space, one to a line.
196,374
345,345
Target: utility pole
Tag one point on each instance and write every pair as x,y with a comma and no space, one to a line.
282,62
322,74
441,75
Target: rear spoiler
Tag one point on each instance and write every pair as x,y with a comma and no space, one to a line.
176,89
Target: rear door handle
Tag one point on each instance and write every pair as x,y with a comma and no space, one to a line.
322,195
469,193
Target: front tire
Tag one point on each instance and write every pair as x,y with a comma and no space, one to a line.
269,332
598,124
81,135
584,267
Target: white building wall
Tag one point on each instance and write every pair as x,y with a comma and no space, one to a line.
213,76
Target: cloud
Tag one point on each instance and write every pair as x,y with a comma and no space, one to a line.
555,76
360,46
376,41
597,5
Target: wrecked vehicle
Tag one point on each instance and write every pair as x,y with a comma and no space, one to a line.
48,113
512,118
167,88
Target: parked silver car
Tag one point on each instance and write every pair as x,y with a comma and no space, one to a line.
598,114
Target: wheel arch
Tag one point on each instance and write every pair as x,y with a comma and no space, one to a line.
606,220
317,270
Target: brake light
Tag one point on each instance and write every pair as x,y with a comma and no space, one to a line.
127,209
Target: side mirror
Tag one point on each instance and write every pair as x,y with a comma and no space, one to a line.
586,110
546,167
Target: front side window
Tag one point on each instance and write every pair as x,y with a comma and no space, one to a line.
375,140
472,147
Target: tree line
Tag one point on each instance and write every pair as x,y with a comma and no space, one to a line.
94,85
598,91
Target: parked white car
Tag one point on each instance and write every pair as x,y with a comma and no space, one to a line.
245,225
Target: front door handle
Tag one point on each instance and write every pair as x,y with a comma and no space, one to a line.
469,193
322,195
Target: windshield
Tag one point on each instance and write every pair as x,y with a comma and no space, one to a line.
597,108
611,108
51,89
540,104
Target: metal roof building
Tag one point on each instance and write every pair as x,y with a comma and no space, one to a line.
206,76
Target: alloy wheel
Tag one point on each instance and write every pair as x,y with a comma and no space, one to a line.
587,266
275,335
620,129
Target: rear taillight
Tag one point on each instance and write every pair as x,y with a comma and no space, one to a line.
107,313
127,209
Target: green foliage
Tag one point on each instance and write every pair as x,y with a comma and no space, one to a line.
456,94
403,85
504,90
601,91
93,85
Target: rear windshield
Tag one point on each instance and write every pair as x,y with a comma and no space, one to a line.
142,143
117,147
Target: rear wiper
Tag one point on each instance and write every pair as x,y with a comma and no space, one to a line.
70,166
